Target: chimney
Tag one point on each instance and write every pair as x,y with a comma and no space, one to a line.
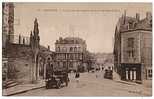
124,17
48,48
148,15
137,16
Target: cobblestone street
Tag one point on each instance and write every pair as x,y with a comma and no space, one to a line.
90,85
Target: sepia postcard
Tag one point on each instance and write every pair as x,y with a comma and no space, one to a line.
76,49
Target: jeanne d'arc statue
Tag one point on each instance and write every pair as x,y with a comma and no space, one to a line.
34,37
34,44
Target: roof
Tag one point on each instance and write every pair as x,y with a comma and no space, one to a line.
131,23
70,40
44,52
144,24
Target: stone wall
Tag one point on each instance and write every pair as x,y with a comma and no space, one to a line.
19,62
124,47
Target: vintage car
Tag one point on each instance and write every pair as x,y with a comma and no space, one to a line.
57,79
108,74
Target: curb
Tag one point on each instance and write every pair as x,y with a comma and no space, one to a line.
125,82
24,91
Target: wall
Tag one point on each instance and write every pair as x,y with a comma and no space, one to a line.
124,47
22,69
143,50
146,52
20,61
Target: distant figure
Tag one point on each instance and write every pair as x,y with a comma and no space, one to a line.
102,68
66,78
96,75
77,76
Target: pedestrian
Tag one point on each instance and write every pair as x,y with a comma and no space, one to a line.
96,74
102,68
77,77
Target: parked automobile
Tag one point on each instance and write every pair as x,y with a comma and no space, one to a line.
57,79
108,74
53,81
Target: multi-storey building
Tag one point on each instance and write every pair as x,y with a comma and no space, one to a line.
133,48
70,53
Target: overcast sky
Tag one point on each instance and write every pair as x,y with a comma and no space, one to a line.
55,20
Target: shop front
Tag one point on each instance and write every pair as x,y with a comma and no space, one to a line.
131,72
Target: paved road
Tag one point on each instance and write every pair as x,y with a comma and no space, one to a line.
90,85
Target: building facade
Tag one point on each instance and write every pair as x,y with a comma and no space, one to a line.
7,22
133,48
23,58
7,29
70,53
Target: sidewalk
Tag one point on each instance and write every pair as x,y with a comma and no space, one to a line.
22,88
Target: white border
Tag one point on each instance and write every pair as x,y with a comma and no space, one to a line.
77,0
3,97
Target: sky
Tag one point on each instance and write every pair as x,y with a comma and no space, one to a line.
93,22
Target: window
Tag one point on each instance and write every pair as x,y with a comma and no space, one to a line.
131,53
76,56
150,73
130,45
130,25
79,49
65,57
68,57
48,59
71,49
58,49
64,64
64,49
75,49
71,56
70,64
131,42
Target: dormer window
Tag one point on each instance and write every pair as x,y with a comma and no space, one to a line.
58,49
130,25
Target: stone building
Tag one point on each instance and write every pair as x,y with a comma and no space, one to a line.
133,48
70,53
7,30
7,22
23,58
46,61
